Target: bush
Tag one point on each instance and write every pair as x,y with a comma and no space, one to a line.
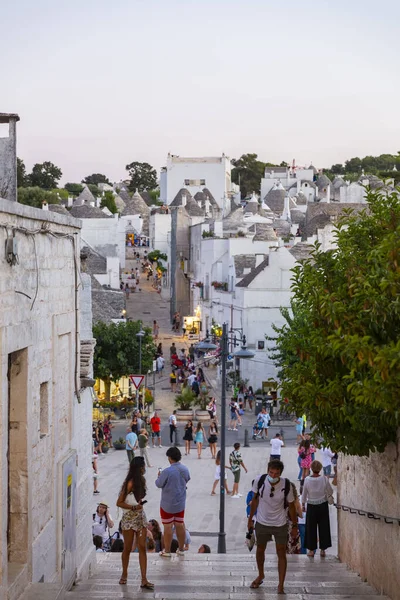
185,400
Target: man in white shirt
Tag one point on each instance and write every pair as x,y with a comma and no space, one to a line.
172,426
327,456
276,444
273,496
190,380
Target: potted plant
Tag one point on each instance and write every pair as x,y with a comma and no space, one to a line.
119,444
148,399
184,403
105,447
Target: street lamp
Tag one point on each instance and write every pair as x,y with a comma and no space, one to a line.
245,354
206,345
139,335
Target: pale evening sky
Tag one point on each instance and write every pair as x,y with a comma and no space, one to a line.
98,84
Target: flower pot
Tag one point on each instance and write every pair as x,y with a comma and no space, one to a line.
119,446
202,415
105,449
184,415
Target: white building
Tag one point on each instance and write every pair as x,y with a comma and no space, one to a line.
293,180
197,174
45,402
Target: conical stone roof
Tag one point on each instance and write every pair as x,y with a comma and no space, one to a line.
264,233
323,181
137,206
177,201
85,197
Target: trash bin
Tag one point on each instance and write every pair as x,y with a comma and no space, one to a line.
258,404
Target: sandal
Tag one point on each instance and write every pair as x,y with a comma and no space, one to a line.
213,494
147,586
164,554
322,553
310,554
256,583
123,581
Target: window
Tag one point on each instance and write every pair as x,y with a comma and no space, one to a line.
44,409
260,345
195,182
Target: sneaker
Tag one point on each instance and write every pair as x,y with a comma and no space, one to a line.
236,496
229,429
96,492
180,552
235,430
240,495
164,554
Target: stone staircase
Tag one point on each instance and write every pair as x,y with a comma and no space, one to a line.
222,577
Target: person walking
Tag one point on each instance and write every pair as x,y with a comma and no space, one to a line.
250,396
160,365
134,521
236,462
172,426
299,429
155,423
172,381
265,419
188,436
156,329
273,496
172,482
199,438
317,494
172,350
327,456
130,443
143,441
127,291
213,438
305,451
212,408
234,415
217,476
277,444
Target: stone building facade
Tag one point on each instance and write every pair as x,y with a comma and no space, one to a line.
371,546
45,406
8,157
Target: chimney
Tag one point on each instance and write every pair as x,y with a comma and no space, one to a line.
183,199
207,205
70,201
328,194
91,203
45,206
298,185
259,259
286,209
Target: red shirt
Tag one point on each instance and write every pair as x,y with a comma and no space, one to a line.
155,424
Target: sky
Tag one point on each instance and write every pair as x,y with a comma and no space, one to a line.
100,84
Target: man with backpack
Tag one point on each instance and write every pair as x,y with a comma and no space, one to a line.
273,497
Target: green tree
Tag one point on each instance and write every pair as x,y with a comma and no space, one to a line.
22,178
74,188
108,200
117,351
353,165
143,176
339,352
337,169
96,191
96,178
248,171
35,196
45,175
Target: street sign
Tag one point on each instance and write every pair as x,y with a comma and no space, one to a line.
136,380
230,357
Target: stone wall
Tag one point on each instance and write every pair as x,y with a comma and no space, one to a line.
38,321
8,161
371,547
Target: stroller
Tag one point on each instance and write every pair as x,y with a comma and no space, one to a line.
258,430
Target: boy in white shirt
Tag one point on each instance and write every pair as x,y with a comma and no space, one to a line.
276,444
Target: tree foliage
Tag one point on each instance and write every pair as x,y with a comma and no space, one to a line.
45,175
95,179
117,351
143,176
248,170
22,178
74,188
381,165
108,201
339,352
35,196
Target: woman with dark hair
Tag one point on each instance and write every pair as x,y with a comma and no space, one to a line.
250,396
213,438
188,436
157,536
306,450
317,495
131,499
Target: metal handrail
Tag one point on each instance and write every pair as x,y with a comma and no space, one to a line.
369,515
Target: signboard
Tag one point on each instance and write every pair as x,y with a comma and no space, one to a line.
136,380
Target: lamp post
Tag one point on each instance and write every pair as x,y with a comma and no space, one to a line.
205,346
139,335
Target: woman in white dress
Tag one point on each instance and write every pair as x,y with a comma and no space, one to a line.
134,521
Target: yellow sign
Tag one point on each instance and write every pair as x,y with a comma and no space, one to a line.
69,480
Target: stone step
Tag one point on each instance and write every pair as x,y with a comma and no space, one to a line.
222,577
